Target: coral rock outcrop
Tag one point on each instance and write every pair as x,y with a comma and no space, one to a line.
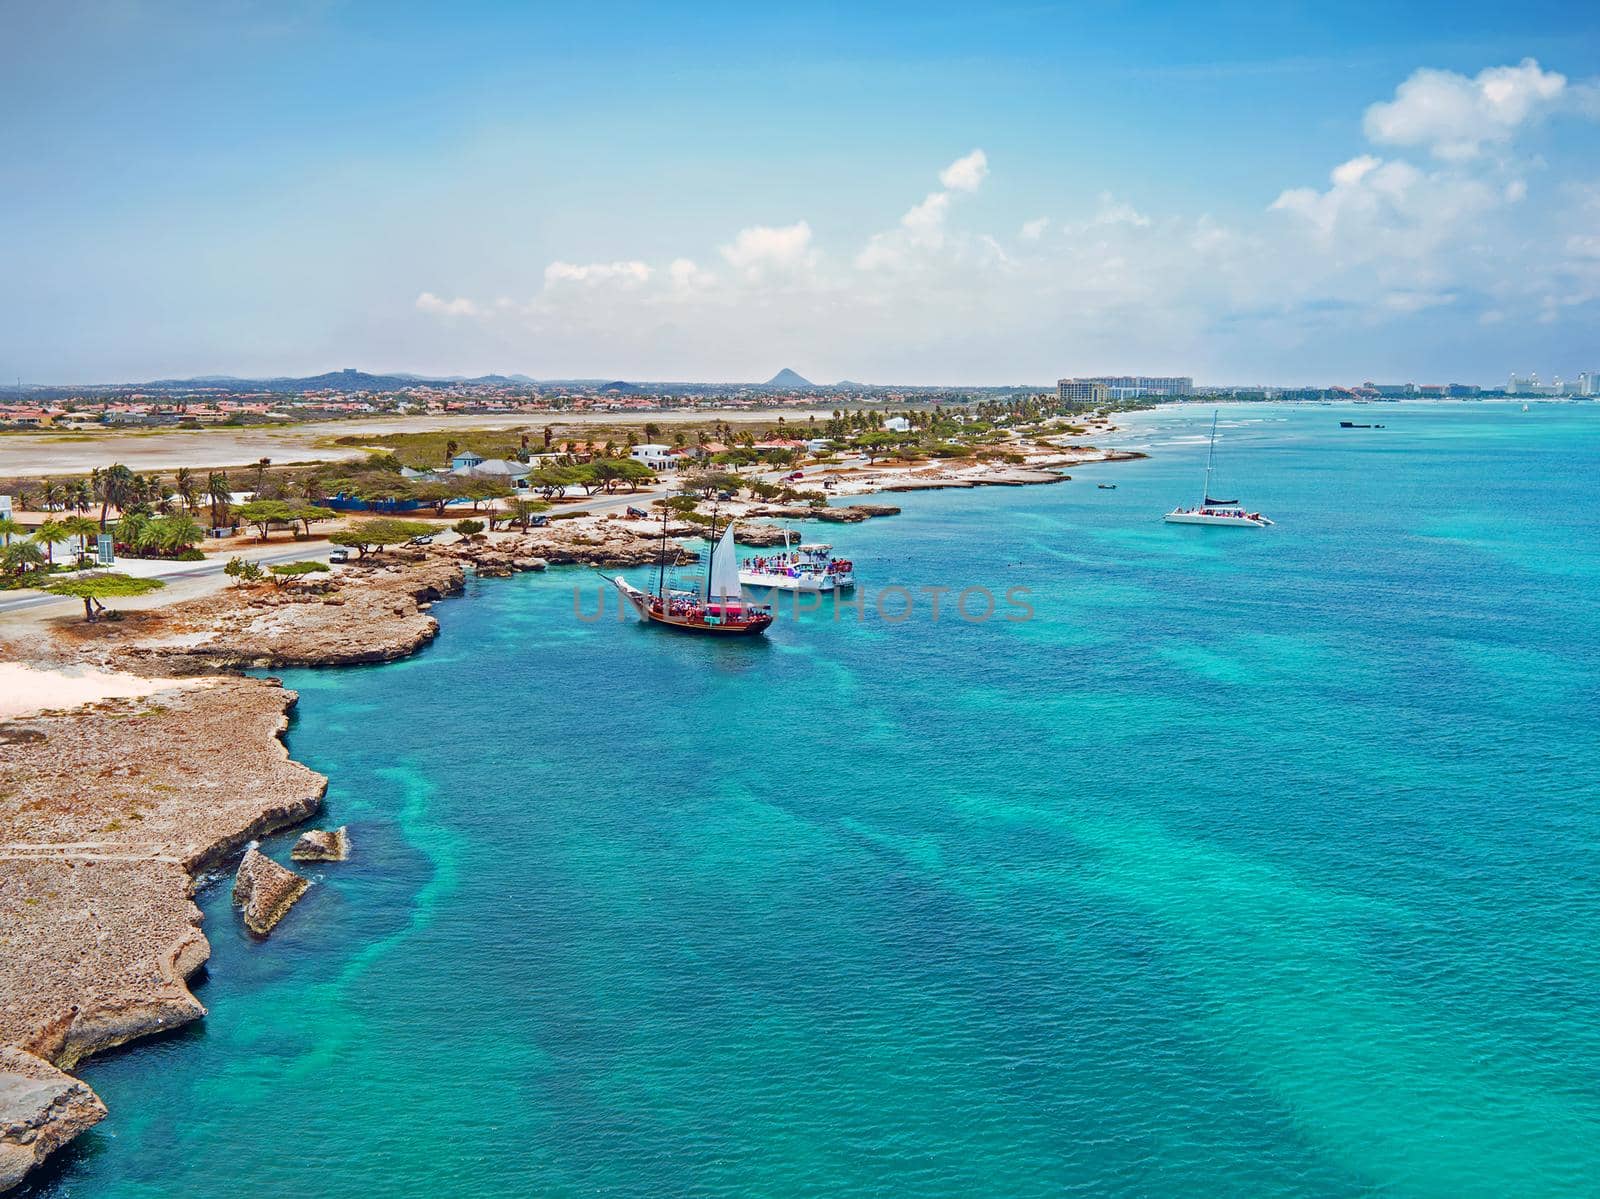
265,890
41,1109
322,845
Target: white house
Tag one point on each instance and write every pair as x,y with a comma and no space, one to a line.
656,457
897,424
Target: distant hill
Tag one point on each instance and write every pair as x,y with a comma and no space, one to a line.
622,387
788,378
345,380
848,385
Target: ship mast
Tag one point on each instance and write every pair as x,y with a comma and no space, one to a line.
1205,496
661,574
711,554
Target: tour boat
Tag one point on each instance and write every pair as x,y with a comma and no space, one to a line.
1227,513
803,568
719,610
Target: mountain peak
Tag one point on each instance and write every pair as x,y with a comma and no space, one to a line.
788,378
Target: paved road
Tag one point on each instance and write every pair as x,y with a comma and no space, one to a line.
174,571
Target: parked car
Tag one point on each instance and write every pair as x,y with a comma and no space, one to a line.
724,495
638,513
795,477
539,522
339,556
425,539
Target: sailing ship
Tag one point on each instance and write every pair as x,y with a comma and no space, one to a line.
1214,511
719,610
807,568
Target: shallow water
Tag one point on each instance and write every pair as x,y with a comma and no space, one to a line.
1257,863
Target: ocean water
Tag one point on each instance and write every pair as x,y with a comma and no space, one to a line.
1255,863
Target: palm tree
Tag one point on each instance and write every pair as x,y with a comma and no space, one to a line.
135,530
174,534
84,529
21,556
186,488
261,470
450,449
219,493
113,487
49,495
47,534
9,529
78,495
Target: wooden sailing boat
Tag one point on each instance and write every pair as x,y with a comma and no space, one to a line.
720,610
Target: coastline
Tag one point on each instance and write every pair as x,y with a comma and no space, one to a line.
104,876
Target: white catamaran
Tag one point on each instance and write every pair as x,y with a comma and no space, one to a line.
1212,511
810,567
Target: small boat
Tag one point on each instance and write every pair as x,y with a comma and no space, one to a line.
1350,424
806,568
1216,512
720,610
1106,486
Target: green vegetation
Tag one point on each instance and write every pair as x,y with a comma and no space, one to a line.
468,528
144,535
433,451
242,571
286,572
264,514
92,588
367,535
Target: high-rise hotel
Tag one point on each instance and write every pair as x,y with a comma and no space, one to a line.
1106,389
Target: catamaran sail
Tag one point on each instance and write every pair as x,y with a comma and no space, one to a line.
722,579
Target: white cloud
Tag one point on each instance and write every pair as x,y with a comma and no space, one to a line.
966,173
686,276
627,273
1114,212
765,251
438,306
1455,117
1350,173
924,223
1462,242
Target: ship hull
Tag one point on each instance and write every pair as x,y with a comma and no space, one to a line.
650,611
1231,522
807,584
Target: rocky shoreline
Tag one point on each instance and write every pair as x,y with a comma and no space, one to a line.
111,812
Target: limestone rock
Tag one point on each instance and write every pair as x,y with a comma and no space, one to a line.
266,890
41,1109
845,514
758,535
322,845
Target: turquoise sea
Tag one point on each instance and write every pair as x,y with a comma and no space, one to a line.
1256,863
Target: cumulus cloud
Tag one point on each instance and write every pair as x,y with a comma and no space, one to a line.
628,273
1114,212
966,173
765,251
1450,233
1455,117
438,306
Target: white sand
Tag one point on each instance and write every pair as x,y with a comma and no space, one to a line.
25,690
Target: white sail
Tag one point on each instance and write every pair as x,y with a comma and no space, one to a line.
723,582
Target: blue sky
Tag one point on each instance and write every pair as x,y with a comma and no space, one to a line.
1288,193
